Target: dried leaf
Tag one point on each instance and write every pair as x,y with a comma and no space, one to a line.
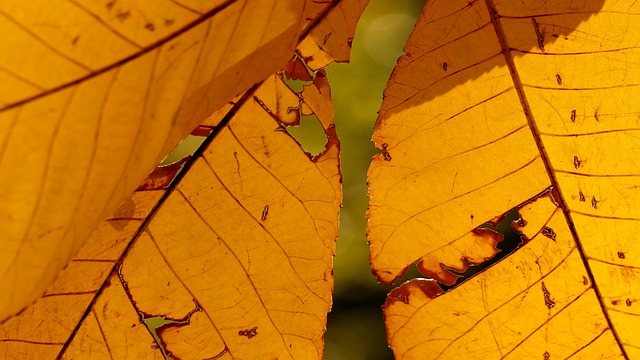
235,260
94,94
500,105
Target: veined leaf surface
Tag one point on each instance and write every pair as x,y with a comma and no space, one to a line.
500,105
234,262
94,94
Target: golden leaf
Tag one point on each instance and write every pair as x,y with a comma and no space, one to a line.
500,105
235,260
94,94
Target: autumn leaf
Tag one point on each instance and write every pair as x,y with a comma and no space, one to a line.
500,105
234,259
94,94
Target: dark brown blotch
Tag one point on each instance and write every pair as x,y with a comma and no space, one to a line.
249,333
547,297
385,153
548,232
122,15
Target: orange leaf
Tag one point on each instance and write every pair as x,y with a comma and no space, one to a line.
501,105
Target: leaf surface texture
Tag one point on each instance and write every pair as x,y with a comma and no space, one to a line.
500,105
235,260
94,94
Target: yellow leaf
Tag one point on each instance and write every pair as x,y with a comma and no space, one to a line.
94,94
499,105
235,260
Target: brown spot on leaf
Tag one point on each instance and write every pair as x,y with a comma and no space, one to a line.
249,333
615,302
546,355
621,255
75,40
573,115
385,153
539,35
122,15
558,79
444,66
169,22
594,202
581,196
548,232
265,211
547,297
150,27
628,302
326,39
576,162
585,281
162,176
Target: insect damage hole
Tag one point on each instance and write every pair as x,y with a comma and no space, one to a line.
504,234
157,324
510,242
309,134
249,333
547,297
187,146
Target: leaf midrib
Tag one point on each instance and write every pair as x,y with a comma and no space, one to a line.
506,52
204,17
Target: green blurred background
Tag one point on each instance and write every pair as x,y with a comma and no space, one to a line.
355,329
355,326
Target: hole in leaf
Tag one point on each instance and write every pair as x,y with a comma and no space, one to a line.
157,324
296,74
186,147
309,134
295,85
511,241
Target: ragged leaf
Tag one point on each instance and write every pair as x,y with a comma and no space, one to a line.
498,105
234,260
94,94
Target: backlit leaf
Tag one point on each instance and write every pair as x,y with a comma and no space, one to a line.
499,105
234,261
94,94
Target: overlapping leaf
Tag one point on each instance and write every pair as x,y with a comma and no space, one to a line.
236,261
498,105
94,94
